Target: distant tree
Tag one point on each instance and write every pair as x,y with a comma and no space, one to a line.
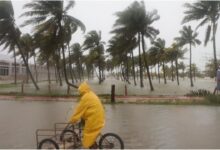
187,36
95,45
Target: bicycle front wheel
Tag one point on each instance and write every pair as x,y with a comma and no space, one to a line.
111,141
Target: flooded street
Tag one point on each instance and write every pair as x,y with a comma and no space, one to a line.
140,126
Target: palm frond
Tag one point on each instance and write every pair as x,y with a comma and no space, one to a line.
70,4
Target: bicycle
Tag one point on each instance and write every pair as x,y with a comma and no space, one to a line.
70,137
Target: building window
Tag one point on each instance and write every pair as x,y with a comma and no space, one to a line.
17,69
3,71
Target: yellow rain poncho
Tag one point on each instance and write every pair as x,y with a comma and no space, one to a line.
91,110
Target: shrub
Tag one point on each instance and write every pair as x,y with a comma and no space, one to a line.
213,99
200,92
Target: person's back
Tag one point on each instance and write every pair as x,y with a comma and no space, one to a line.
90,109
94,114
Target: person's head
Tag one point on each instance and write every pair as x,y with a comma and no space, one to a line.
83,88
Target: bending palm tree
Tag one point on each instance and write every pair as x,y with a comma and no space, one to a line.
10,34
96,46
135,21
52,16
188,37
208,12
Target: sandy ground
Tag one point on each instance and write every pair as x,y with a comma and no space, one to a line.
161,89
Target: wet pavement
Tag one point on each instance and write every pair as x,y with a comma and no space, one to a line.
140,126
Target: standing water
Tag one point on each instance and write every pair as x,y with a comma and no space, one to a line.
140,126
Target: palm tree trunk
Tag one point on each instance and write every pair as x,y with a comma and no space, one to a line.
177,72
146,64
15,68
26,64
58,68
55,69
79,70
27,74
140,62
48,75
100,77
35,68
127,69
70,67
172,70
214,46
158,71
87,69
134,76
155,72
74,75
82,72
164,74
64,68
190,65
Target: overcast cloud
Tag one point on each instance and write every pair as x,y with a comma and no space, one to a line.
99,15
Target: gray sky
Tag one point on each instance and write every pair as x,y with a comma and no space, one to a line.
99,15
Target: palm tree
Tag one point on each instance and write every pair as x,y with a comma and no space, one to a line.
135,21
122,46
176,52
159,49
183,67
208,13
44,41
10,33
27,44
96,46
153,58
77,56
187,36
12,48
52,16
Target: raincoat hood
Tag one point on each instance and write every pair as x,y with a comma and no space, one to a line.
83,88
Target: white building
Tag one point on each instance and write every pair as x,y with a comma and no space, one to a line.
7,69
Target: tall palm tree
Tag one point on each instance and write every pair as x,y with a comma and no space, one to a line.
53,16
135,21
10,33
96,46
187,36
27,44
208,13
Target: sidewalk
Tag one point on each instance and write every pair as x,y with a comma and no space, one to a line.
124,99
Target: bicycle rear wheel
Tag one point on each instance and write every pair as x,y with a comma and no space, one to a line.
111,141
48,144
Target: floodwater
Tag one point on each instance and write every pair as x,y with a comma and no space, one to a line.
140,126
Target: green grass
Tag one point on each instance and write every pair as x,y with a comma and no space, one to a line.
10,85
213,99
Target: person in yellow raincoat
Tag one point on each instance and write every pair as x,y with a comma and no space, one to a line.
89,109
